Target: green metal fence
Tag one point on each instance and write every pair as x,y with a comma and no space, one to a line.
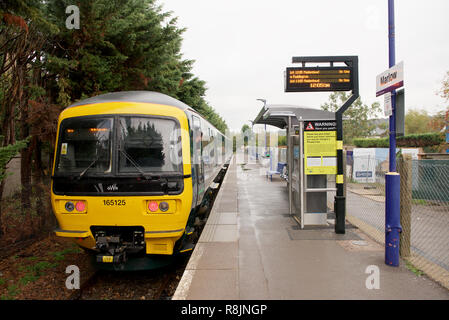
430,180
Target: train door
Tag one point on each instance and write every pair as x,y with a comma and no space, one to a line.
198,187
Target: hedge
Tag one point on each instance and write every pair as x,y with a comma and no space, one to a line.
411,140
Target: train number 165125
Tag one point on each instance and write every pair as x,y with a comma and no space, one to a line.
114,202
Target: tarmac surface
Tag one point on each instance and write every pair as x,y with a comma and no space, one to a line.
251,248
429,224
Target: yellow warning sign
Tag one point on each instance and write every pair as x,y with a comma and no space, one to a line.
320,152
64,148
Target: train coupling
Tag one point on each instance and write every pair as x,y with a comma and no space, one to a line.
111,250
115,243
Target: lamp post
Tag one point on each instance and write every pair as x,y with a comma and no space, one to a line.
265,126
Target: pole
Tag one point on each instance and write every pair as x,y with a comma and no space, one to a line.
289,163
302,176
339,199
392,178
392,62
266,146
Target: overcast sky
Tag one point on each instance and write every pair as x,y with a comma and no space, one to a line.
242,47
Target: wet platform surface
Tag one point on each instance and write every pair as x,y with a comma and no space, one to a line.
251,248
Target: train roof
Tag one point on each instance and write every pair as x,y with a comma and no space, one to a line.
134,96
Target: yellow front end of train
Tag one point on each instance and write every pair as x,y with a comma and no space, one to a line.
93,164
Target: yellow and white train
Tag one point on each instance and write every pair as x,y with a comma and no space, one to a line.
132,171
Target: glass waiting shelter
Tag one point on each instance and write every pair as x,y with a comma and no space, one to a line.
311,158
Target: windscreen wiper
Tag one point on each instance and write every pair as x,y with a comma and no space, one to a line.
147,176
88,167
127,156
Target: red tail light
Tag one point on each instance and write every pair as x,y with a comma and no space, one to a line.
80,206
153,206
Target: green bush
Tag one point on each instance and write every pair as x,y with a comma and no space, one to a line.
411,140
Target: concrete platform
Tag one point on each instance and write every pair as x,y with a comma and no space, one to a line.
252,249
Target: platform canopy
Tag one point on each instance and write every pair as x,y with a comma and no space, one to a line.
277,115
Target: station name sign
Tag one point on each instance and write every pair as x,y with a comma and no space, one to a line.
390,79
315,79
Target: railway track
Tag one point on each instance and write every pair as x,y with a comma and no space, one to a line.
157,284
18,246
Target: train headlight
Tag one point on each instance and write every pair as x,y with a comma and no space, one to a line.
69,206
163,206
153,206
80,206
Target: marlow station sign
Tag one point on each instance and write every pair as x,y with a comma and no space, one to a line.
390,80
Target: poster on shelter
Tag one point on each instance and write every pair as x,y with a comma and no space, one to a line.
320,147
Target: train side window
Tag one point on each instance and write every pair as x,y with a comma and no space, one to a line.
197,136
196,122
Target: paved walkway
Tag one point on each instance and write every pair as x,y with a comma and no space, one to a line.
429,236
252,249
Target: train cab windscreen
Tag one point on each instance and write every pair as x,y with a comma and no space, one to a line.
85,144
135,154
149,144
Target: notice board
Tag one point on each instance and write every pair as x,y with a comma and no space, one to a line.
320,147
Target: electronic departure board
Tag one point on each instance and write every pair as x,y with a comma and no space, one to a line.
310,79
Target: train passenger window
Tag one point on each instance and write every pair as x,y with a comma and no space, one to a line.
85,145
150,144
196,122
197,137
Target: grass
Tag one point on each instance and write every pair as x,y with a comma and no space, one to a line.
32,258
60,255
419,201
29,277
33,273
38,269
413,269
31,268
41,266
13,290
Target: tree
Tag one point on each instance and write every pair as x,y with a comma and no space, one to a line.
22,41
44,67
419,121
6,154
416,121
245,128
282,140
123,45
246,132
357,124
438,121
444,91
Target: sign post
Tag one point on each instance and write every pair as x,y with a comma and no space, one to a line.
387,82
